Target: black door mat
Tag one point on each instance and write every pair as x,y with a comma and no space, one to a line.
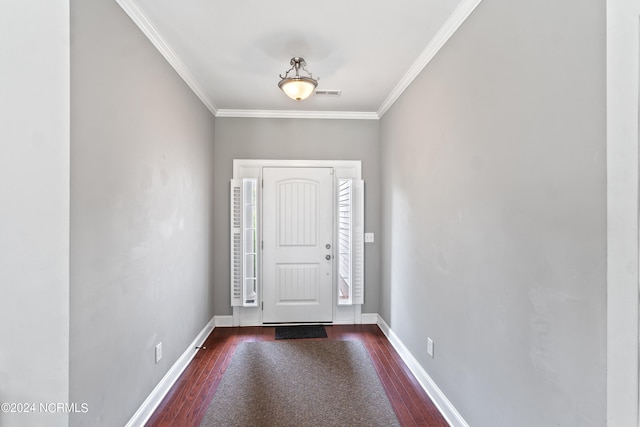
304,331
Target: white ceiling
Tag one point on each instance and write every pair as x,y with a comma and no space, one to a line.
231,52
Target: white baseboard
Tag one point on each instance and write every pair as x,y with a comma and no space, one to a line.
223,321
150,404
370,318
446,408
342,322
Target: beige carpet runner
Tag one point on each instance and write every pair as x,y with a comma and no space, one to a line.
300,383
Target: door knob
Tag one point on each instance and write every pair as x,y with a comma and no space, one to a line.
328,257
328,246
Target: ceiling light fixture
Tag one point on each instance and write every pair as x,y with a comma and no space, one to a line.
297,87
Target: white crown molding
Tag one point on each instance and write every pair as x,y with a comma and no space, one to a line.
296,114
147,28
459,15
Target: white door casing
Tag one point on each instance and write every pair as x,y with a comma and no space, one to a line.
247,310
623,311
298,245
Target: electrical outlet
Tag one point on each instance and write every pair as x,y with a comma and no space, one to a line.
429,346
369,237
158,352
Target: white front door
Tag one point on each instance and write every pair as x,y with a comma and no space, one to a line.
298,245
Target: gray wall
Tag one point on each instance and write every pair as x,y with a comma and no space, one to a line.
141,214
34,214
494,215
296,139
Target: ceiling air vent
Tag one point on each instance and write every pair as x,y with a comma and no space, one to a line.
329,92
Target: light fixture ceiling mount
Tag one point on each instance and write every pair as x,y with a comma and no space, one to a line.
297,87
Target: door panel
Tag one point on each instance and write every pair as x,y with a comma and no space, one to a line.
296,220
297,284
298,242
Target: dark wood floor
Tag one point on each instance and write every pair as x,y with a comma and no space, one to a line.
187,402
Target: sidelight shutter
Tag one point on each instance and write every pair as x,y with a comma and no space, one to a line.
244,243
345,250
357,214
350,241
236,242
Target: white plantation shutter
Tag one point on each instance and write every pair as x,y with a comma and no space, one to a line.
357,241
350,241
236,242
345,250
244,245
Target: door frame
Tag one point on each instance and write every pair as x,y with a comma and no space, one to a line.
252,168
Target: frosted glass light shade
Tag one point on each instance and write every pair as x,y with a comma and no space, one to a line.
298,88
